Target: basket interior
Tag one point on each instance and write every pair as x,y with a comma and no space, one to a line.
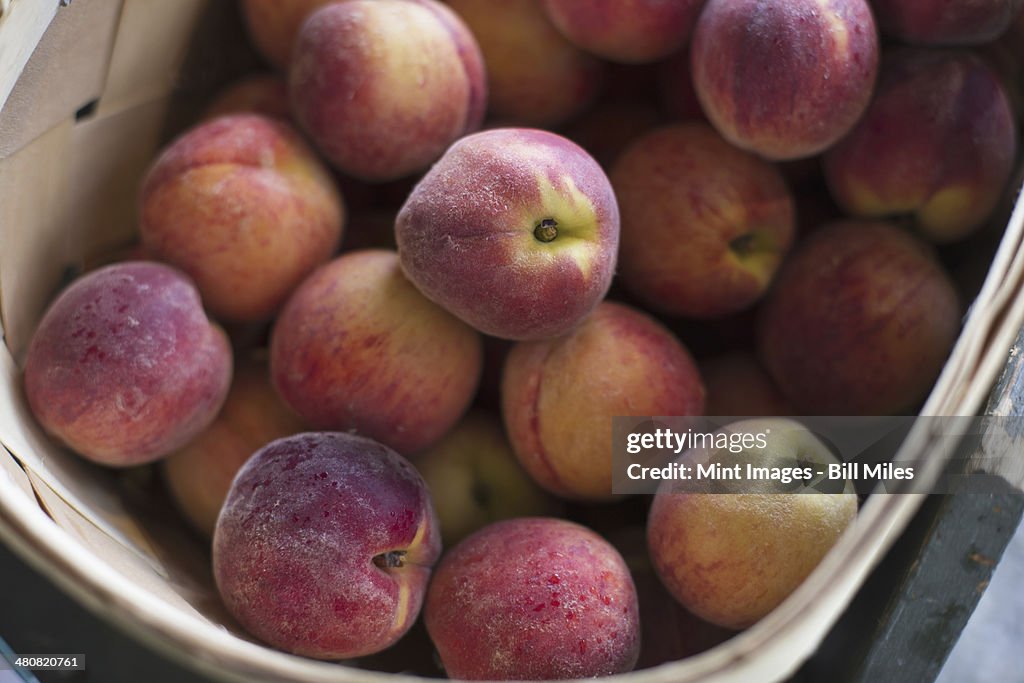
108,83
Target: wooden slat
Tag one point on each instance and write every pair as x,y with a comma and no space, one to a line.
22,24
66,72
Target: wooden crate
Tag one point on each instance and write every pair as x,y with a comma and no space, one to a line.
87,91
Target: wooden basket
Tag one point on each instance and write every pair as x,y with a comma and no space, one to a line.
86,90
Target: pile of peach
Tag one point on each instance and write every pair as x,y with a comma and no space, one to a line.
547,204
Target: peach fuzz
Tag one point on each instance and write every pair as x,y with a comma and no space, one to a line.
199,475
712,248
938,143
384,86
243,206
950,22
125,367
533,598
514,230
559,396
535,76
358,348
325,544
860,321
629,31
784,79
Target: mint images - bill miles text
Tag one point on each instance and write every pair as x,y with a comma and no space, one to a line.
785,475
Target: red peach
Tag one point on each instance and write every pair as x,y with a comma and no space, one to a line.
515,231
860,321
533,599
357,347
559,395
938,142
712,247
125,367
325,545
384,86
784,79
244,207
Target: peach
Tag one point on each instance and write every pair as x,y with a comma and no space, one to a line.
535,76
533,599
325,545
784,79
125,367
559,395
712,249
244,207
950,22
274,24
475,479
265,94
515,231
384,86
859,322
731,558
357,347
199,475
630,31
938,142
738,386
